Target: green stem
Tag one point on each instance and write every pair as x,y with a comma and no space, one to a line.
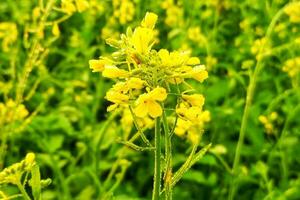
249,98
23,191
168,157
157,154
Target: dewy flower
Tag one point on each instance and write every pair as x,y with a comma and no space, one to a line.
143,76
147,103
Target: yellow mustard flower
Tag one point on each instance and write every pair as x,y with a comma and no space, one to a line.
199,73
292,66
147,103
8,34
68,6
293,12
82,5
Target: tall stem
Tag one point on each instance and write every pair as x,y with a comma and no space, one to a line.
249,98
157,171
168,157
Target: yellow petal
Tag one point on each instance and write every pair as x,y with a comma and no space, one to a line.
154,109
194,99
97,65
158,94
193,61
149,21
114,72
141,110
199,73
116,97
55,30
135,83
142,39
81,5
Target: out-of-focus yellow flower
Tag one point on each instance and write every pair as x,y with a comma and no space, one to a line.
218,149
147,103
245,25
257,45
292,67
293,12
268,122
10,112
174,13
55,30
123,10
68,6
8,34
210,61
81,5
109,32
36,13
195,35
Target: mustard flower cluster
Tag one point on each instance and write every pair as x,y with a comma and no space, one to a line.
123,10
8,35
268,122
292,67
293,12
143,77
10,112
71,6
13,173
174,13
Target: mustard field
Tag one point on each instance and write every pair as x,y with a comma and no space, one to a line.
144,99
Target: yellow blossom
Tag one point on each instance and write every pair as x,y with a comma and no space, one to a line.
292,66
194,99
147,103
81,5
111,71
181,127
293,12
199,73
68,7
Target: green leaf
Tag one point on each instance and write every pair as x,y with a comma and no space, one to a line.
36,182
